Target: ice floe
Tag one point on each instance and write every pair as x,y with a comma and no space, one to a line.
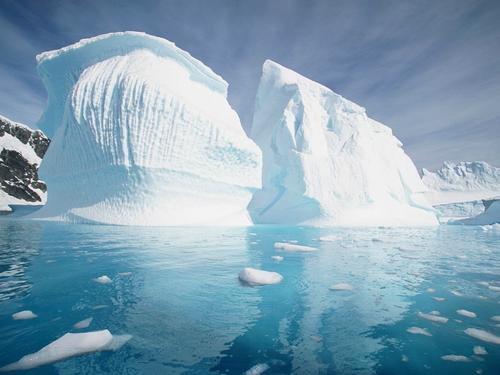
418,331
494,288
69,345
496,318
455,358
479,350
24,315
483,335
254,276
103,279
341,287
292,247
433,318
83,323
456,293
467,313
257,369
277,258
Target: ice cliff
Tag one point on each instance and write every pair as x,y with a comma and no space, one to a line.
325,162
142,134
21,152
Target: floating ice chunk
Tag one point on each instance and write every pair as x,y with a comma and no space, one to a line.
479,350
257,369
494,288
455,358
433,318
117,342
341,287
125,273
418,331
331,238
404,358
484,283
483,335
435,312
496,318
431,290
254,276
467,313
24,315
69,345
292,247
277,258
83,323
456,293
99,307
103,280
439,299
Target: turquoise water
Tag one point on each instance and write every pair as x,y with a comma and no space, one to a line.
189,314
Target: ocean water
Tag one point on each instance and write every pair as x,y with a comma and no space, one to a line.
181,300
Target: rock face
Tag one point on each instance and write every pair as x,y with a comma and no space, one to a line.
145,135
22,150
325,162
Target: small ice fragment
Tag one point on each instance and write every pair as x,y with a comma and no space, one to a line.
467,313
277,258
342,287
418,331
456,293
496,318
83,323
331,238
483,335
292,247
494,288
24,315
404,358
484,283
479,350
103,279
254,276
435,312
455,358
433,318
431,290
257,369
125,273
99,307
439,299
69,345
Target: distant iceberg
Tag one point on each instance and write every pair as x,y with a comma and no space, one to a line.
142,135
325,162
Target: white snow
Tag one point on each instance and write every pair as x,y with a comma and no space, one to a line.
293,247
24,315
418,331
467,313
483,335
342,287
69,345
144,133
455,358
257,369
103,280
479,350
254,276
433,318
85,323
277,258
325,162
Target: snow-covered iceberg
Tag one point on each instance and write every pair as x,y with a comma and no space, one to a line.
142,135
325,162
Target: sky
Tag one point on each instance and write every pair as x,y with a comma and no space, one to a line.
430,70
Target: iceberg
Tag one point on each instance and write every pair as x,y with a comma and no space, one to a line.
142,134
326,163
491,215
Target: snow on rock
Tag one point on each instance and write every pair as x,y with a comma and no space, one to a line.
85,323
254,276
418,331
483,335
342,287
433,318
293,247
69,345
461,182
325,162
455,358
467,313
144,133
103,280
479,350
24,315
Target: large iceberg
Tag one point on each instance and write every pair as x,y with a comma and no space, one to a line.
325,162
142,135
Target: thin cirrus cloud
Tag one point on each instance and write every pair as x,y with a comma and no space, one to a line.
429,70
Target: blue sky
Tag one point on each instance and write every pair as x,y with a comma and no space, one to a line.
428,69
